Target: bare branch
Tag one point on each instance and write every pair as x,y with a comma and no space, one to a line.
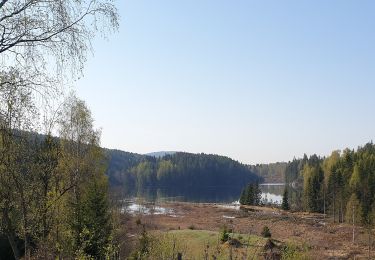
2,3
16,12
35,33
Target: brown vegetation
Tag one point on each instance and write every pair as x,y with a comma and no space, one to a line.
322,238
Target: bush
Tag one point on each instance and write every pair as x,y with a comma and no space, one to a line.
224,234
192,227
266,232
293,252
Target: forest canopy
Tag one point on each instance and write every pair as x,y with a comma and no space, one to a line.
178,170
340,185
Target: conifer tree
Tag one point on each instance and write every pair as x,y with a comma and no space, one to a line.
97,220
250,195
285,203
257,194
243,197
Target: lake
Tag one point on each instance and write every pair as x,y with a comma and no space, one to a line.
271,193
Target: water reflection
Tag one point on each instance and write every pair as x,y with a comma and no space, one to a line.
197,195
271,193
139,207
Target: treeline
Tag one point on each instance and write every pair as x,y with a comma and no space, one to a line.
271,173
119,165
179,170
293,168
53,191
341,185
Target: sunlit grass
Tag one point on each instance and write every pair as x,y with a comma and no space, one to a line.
196,244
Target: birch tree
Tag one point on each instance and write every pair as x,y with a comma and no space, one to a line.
17,112
44,39
83,162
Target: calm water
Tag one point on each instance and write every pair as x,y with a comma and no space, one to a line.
271,193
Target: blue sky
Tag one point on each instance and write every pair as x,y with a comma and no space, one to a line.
259,81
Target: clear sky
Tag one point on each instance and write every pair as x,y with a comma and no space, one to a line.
258,81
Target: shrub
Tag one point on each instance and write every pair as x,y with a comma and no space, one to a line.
192,227
293,252
224,234
266,232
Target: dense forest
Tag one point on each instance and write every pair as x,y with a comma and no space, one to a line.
119,164
341,185
178,171
271,172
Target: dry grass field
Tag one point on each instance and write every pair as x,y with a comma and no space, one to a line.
199,224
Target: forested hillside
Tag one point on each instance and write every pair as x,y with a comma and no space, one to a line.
341,185
271,173
119,164
182,170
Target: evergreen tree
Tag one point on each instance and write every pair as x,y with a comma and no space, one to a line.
243,197
285,203
97,220
257,194
313,195
251,195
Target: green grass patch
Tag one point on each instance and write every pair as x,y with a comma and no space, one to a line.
203,242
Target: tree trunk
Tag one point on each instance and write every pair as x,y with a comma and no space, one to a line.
11,235
353,223
324,202
369,243
26,237
26,233
13,244
334,209
341,210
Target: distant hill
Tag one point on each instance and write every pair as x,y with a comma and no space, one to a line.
176,170
119,165
161,153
